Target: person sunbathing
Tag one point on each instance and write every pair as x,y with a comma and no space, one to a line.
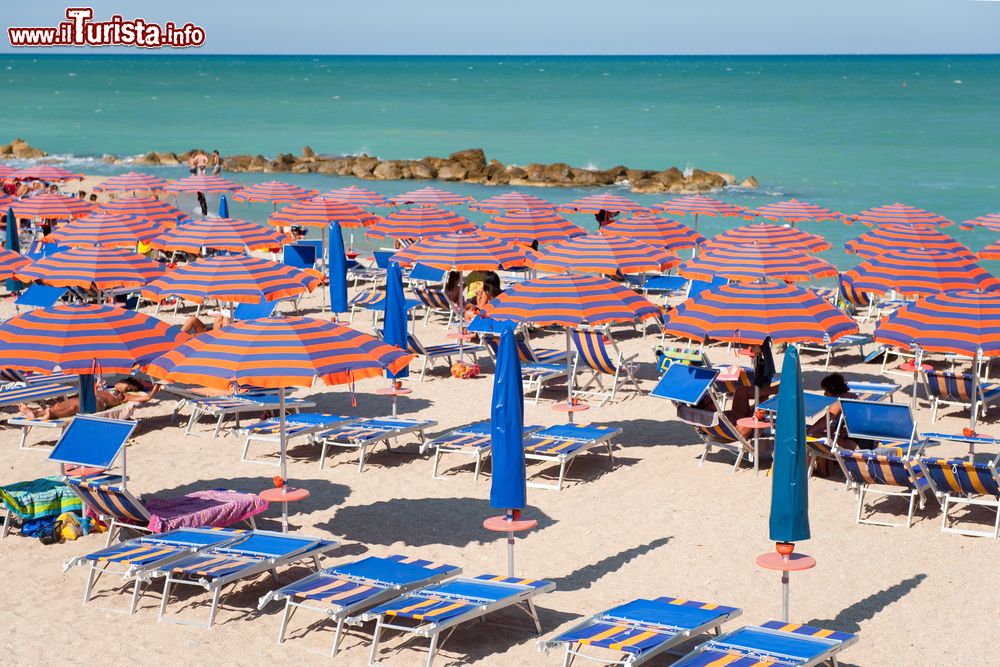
129,390
194,326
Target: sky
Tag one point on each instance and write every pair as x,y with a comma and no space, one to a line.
539,27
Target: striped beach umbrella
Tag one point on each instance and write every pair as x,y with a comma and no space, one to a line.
228,234
528,226
699,205
919,272
352,194
512,201
962,322
774,235
148,208
10,262
320,212
203,183
234,279
900,214
419,222
602,202
793,211
274,192
754,262
113,231
46,172
990,222
7,171
131,181
47,206
93,266
992,251
656,231
76,338
892,236
463,252
747,313
598,253
431,196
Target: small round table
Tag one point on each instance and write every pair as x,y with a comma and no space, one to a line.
570,408
794,562
757,425
83,471
284,495
395,393
501,524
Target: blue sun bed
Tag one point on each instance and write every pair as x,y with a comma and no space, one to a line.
564,442
772,644
297,426
366,433
473,440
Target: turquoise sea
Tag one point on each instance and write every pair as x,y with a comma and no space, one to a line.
846,132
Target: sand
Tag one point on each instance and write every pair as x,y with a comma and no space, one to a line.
653,524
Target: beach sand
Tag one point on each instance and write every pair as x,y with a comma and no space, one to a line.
653,524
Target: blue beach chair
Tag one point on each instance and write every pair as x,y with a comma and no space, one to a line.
365,434
828,349
136,558
473,440
594,356
429,611
666,355
562,443
773,644
535,375
299,255
223,407
215,568
435,302
961,482
946,388
636,632
34,392
297,426
873,391
38,295
446,351
883,475
343,592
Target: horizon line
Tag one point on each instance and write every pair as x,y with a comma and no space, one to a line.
121,51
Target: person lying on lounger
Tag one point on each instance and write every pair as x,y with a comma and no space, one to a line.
194,326
129,390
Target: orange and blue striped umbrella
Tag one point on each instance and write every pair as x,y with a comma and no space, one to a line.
919,272
203,183
148,208
76,338
528,226
951,322
228,234
320,212
131,181
419,222
113,231
274,192
753,262
699,205
232,278
279,352
463,252
431,196
570,300
774,235
655,231
47,206
7,171
93,266
990,222
992,251
900,214
747,313
793,211
602,202
352,194
11,261
512,201
46,172
894,236
598,253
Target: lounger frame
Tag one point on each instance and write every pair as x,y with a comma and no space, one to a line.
365,443
565,460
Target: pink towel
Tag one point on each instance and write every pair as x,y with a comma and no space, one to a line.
217,508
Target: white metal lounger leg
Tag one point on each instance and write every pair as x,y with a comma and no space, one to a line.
432,649
89,585
165,598
215,605
136,593
375,639
6,525
437,461
338,635
479,465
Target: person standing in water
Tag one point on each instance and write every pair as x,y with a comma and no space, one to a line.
216,163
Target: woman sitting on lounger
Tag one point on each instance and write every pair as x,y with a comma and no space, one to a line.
835,386
129,390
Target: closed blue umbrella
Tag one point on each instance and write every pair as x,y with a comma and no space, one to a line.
394,330
337,266
223,207
14,245
508,489
88,396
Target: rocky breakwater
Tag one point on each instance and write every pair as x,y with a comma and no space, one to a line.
470,166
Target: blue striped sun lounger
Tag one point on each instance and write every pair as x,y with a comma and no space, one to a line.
828,349
222,407
136,558
429,611
961,482
638,631
215,568
34,392
564,442
879,474
365,434
297,426
472,440
773,644
344,591
873,391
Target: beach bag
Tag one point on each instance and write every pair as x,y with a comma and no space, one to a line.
464,371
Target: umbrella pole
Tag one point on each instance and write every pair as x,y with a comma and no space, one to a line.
694,250
281,446
976,388
756,431
917,362
325,253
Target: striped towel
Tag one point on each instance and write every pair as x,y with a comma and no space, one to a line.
40,498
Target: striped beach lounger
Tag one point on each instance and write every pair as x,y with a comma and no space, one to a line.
36,499
882,475
944,388
636,632
873,391
828,349
297,426
961,482
365,434
535,373
434,302
222,407
35,392
665,356
446,351
563,443
773,644
429,611
594,356
214,569
343,592
472,440
135,558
